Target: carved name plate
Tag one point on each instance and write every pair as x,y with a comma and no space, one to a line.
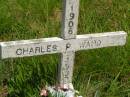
58,45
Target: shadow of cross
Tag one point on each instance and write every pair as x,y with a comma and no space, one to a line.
67,45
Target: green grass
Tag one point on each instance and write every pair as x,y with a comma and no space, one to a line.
97,73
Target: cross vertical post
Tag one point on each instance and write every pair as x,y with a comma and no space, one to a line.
69,31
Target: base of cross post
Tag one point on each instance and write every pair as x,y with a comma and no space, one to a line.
57,92
61,93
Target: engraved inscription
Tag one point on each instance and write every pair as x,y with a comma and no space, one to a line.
27,48
90,43
71,21
68,45
66,69
36,50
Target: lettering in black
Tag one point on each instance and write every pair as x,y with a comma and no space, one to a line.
71,21
48,48
68,45
54,47
71,24
19,51
70,31
25,51
36,50
31,51
72,16
90,43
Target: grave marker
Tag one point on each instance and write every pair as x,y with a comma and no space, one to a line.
67,45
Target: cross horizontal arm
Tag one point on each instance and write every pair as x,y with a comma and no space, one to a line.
58,45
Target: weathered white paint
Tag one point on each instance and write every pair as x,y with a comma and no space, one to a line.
70,18
58,45
69,31
66,69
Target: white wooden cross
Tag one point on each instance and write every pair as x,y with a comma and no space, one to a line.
67,45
